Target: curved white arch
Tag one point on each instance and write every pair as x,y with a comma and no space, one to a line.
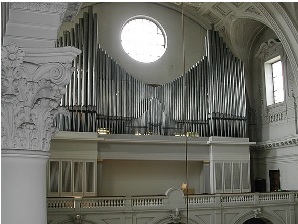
272,218
275,17
168,220
285,31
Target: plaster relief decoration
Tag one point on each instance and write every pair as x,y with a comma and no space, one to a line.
237,4
51,7
261,95
31,94
252,116
279,116
211,17
253,10
72,11
257,212
288,142
175,216
269,49
222,8
78,218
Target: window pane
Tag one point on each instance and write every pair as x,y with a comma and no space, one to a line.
278,86
143,39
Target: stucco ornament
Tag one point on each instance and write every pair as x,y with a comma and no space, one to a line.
30,98
257,212
175,216
12,56
78,218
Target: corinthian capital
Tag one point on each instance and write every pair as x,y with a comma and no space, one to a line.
33,82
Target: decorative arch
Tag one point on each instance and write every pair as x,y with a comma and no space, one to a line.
183,220
80,219
262,215
282,31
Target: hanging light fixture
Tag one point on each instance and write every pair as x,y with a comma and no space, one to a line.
185,184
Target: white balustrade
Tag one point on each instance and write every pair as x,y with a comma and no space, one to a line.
151,201
60,203
167,205
147,201
199,199
102,202
243,198
271,197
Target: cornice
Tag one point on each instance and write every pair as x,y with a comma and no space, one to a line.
284,143
46,55
24,153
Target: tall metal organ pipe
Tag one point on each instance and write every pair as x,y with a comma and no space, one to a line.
102,95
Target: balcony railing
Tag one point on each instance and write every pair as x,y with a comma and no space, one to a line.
127,203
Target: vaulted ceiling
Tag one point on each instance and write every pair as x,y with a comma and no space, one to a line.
239,23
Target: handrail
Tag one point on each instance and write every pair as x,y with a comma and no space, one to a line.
162,201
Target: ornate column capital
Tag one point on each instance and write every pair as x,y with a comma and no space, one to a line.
33,81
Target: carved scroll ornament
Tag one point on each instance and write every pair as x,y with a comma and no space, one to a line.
30,98
269,49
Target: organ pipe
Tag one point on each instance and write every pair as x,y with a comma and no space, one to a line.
208,100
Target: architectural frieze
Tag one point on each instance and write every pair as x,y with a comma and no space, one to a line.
30,97
287,19
288,142
40,6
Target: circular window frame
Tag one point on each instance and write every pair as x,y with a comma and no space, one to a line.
157,24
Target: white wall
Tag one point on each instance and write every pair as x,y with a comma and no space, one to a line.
132,177
111,18
266,127
283,159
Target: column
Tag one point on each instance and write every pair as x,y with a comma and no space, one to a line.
33,81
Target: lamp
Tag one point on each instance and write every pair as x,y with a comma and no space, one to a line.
103,131
183,186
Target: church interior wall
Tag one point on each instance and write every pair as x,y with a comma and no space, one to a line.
147,177
111,18
282,159
268,126
273,123
153,177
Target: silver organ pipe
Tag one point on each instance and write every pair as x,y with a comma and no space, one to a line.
208,100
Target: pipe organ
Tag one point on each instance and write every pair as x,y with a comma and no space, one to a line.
208,100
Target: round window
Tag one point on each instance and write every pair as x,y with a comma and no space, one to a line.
143,39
